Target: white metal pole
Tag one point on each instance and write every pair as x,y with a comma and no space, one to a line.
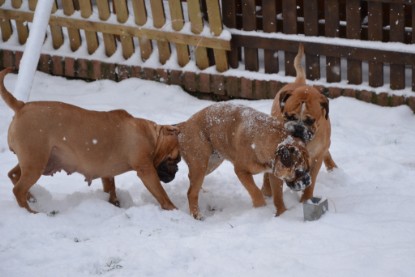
31,54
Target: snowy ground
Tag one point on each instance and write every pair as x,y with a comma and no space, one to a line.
368,231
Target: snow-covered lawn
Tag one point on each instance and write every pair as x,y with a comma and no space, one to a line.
368,231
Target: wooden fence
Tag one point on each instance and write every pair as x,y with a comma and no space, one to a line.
368,44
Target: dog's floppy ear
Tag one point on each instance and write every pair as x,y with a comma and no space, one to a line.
325,106
171,130
285,154
284,95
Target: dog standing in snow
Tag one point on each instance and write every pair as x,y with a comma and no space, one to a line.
253,141
305,114
48,137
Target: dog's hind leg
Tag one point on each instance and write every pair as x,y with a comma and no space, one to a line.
266,187
14,176
248,181
27,179
196,177
109,187
329,162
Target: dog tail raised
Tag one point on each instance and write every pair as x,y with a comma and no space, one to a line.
300,78
10,100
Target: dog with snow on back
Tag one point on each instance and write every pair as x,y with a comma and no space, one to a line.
252,141
304,112
49,136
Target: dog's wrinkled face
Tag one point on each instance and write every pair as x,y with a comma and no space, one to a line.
302,109
168,154
292,165
168,168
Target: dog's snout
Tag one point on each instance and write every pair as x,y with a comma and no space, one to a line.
300,131
302,181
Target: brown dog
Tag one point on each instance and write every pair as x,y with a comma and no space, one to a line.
51,136
253,141
305,113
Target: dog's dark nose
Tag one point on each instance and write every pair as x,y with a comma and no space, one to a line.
302,133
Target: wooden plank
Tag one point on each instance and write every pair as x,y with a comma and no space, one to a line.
109,40
56,31
326,49
353,31
215,23
311,29
6,29
74,36
114,29
91,37
196,21
397,34
21,26
33,3
269,25
332,18
159,20
122,16
140,15
229,20
375,33
177,18
249,24
289,14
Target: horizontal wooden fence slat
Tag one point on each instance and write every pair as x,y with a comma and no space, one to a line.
108,28
332,50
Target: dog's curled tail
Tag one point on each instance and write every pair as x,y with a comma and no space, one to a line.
297,64
10,100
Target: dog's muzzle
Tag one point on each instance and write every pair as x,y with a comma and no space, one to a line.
167,170
302,181
299,131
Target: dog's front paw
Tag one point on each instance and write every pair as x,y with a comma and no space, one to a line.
280,211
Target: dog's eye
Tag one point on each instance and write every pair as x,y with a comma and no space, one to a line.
309,121
290,117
